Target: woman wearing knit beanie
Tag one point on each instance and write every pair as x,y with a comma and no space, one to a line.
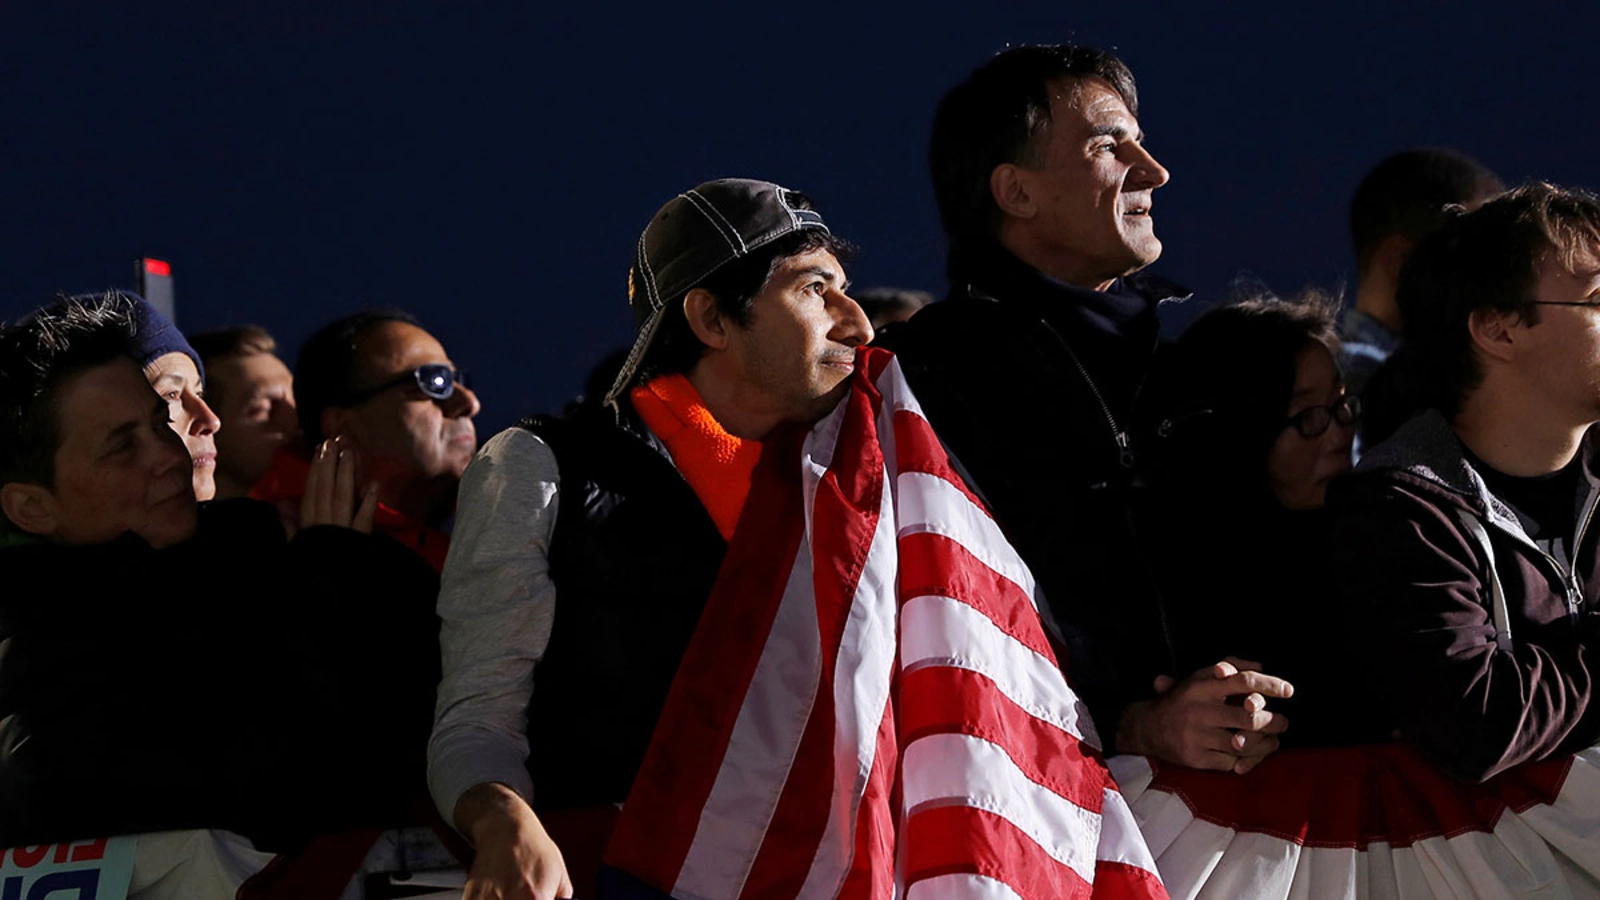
175,371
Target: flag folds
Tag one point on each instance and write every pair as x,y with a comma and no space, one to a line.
870,707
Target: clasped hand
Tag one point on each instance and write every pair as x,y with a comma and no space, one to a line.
1216,718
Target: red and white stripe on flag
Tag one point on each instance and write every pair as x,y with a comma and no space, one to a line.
870,707
1370,821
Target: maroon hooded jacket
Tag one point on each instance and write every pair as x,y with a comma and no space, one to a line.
1419,544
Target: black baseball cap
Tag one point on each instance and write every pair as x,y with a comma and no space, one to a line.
695,234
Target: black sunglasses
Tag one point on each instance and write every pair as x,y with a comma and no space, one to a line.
1314,421
436,381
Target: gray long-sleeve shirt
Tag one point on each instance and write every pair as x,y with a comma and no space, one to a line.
497,604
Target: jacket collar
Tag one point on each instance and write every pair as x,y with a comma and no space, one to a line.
629,421
1427,450
985,270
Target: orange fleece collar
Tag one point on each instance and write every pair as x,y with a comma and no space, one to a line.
717,465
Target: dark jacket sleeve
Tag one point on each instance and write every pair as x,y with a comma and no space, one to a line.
1413,596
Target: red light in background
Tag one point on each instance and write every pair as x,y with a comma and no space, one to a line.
158,267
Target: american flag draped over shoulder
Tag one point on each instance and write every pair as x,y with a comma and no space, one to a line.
870,707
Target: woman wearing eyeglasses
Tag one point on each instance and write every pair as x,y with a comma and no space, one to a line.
1258,425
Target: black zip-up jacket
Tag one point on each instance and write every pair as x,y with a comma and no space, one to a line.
1035,387
634,556
1416,605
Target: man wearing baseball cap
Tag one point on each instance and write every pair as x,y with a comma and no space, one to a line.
586,546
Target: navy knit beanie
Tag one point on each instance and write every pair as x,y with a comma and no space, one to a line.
153,335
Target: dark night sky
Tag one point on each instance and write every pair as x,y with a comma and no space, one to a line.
488,165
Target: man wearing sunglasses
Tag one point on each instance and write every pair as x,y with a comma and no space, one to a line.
383,385
1465,549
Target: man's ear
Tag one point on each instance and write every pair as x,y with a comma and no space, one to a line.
1493,333
1391,254
706,319
1008,184
30,507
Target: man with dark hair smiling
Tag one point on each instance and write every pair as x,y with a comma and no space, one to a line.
1033,372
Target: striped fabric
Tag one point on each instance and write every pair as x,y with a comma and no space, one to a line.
1371,821
870,707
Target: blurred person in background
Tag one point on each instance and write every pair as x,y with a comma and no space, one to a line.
252,393
889,305
1398,203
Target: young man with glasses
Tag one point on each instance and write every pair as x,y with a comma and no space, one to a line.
1464,546
377,384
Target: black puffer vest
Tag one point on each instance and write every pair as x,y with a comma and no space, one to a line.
633,558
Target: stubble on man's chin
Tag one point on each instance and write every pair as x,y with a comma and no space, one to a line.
827,402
